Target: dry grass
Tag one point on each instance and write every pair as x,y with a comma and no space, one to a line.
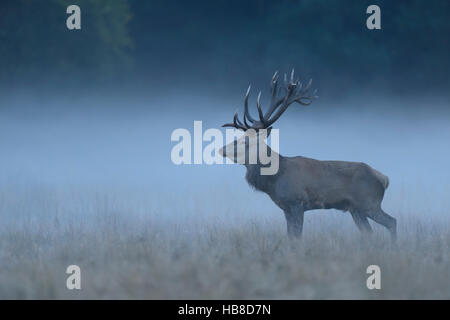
130,251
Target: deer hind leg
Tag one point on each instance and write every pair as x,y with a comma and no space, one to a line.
361,222
294,220
385,220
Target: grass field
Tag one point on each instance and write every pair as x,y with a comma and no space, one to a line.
157,248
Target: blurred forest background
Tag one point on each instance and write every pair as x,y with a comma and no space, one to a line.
224,44
86,174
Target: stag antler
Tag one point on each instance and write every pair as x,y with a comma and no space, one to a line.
294,92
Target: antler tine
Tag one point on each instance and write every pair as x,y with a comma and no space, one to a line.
292,76
258,105
245,121
309,99
246,112
274,84
275,77
308,86
248,91
274,87
236,123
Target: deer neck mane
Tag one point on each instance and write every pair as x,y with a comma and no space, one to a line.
261,182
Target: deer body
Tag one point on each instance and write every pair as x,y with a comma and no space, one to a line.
303,184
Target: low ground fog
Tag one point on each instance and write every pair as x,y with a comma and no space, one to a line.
90,182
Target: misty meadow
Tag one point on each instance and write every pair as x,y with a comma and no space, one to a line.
87,179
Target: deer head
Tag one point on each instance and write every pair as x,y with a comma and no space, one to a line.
256,130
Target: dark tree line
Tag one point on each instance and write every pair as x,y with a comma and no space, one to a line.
223,40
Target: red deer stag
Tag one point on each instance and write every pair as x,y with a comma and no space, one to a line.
301,183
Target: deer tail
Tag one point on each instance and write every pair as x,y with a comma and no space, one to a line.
382,178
